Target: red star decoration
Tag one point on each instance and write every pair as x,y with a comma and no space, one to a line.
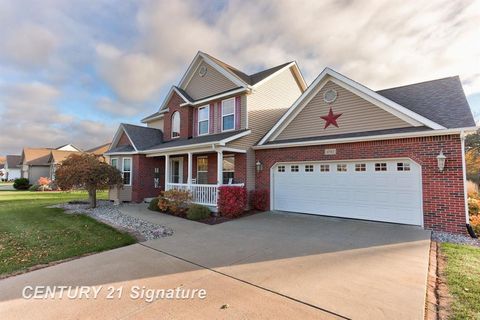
331,118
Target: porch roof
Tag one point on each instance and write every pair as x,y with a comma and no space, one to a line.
211,138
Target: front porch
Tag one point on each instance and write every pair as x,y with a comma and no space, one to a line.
202,172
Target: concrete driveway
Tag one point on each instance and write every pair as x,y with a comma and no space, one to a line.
270,265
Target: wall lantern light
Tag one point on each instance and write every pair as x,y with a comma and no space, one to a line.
441,161
259,166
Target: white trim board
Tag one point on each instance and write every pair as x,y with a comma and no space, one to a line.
330,75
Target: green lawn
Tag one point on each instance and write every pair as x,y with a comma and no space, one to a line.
462,272
31,234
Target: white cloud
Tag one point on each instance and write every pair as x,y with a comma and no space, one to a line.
117,108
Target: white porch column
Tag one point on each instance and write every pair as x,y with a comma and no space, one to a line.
190,159
167,165
219,167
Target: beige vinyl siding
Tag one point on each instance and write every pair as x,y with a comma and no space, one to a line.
157,124
212,83
265,106
358,115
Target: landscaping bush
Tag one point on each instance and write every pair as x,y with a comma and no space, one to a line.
34,187
473,206
175,202
232,201
21,184
198,212
153,205
475,223
260,200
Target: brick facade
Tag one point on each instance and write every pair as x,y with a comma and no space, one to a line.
143,175
443,192
186,118
124,141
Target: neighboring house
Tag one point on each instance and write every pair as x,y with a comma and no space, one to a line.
341,149
55,158
12,167
100,150
69,147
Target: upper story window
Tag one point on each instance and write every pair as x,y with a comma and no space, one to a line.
176,124
203,120
228,114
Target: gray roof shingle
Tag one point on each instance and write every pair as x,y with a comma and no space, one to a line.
442,101
120,149
143,137
13,161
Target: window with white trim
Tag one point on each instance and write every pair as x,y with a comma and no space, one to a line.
127,171
176,124
228,114
114,162
341,167
309,168
294,168
202,170
324,168
359,167
281,169
228,169
381,166
203,120
403,166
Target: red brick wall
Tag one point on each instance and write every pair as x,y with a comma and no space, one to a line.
124,141
143,177
186,118
443,193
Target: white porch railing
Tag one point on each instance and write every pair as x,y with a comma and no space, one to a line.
206,194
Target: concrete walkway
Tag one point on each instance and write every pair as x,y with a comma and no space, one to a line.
270,265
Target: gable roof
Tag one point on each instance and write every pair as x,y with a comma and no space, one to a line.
99,150
57,156
141,137
36,156
441,100
68,145
13,161
406,114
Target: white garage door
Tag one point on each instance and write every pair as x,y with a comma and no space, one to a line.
380,190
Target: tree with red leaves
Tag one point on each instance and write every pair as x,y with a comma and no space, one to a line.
85,171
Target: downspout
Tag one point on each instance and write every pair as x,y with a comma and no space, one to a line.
470,230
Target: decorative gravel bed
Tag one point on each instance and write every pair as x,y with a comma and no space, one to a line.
454,238
108,213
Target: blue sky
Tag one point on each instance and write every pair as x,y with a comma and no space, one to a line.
70,71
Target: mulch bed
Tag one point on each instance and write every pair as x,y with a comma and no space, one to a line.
213,220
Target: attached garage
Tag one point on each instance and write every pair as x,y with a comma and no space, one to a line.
378,190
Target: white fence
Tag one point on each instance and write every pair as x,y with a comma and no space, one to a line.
206,194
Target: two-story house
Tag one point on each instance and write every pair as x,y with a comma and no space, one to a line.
336,148
202,135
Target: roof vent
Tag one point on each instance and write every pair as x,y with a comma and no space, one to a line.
330,96
202,71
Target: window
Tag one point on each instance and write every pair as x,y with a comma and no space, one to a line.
127,171
294,168
114,162
309,168
360,167
228,114
281,168
403,166
202,170
342,167
203,120
228,169
176,124
324,168
381,166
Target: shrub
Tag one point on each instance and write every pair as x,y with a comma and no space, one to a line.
260,199
473,206
175,201
21,184
475,223
198,212
44,181
232,201
34,187
153,205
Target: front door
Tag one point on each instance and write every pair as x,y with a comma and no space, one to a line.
176,171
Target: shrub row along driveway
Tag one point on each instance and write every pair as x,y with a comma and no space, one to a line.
261,266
